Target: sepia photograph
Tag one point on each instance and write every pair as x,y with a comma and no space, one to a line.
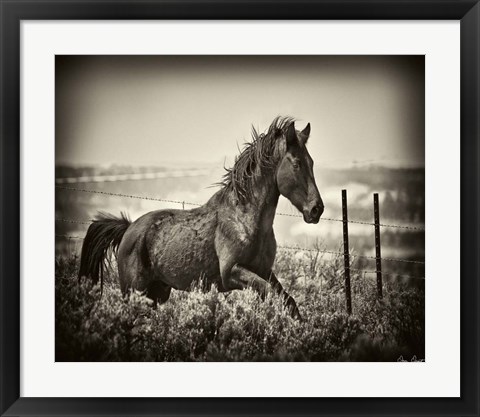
240,208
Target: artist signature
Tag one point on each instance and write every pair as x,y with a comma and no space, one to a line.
414,359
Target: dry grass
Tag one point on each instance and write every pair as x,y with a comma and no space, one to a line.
239,326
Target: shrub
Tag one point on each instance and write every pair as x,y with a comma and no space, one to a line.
240,326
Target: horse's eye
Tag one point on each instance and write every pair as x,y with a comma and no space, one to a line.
296,164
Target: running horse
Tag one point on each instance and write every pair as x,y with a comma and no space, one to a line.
229,241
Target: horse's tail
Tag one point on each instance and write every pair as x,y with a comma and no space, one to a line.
103,237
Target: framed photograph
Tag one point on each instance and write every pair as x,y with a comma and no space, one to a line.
240,209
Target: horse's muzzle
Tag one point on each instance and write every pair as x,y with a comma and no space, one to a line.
312,215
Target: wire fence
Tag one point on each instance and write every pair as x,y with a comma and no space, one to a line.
297,249
348,257
188,203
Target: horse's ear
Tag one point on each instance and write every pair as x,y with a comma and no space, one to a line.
291,136
305,134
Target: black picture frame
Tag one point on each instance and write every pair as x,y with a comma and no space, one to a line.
13,12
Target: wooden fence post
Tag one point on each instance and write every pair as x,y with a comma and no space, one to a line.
378,255
346,253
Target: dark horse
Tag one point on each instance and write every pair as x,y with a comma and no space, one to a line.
229,241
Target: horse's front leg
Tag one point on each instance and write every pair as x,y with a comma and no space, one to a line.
237,277
287,298
234,275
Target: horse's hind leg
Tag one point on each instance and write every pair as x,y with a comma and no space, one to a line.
134,275
158,292
135,269
128,270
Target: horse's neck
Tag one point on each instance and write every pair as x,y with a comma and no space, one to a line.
264,203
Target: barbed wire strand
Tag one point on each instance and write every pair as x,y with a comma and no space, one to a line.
132,176
75,221
70,237
138,197
352,255
390,259
395,226
386,273
309,250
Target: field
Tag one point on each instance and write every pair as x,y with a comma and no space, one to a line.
91,325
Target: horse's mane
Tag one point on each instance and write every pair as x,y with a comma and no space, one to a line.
259,153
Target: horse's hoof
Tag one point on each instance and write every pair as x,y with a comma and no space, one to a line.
295,313
297,316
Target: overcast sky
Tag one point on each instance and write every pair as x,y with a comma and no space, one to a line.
152,110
